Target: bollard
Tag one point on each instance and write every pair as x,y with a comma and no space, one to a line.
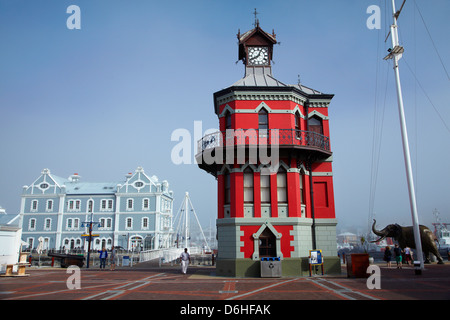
417,269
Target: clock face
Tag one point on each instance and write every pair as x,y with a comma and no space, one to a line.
258,56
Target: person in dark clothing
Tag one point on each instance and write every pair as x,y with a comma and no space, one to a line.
387,256
398,256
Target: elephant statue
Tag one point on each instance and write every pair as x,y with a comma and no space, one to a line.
405,238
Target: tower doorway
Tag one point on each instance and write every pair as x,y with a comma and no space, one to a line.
267,244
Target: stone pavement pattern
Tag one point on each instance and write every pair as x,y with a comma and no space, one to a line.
200,283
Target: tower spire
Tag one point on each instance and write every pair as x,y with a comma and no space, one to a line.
256,23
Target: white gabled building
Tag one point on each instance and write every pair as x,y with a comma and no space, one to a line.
133,213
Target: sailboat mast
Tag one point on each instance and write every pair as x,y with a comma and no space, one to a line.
186,217
396,54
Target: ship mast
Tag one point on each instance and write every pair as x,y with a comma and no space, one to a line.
395,53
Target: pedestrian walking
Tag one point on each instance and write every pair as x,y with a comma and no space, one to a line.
103,256
408,255
185,260
387,256
398,256
113,259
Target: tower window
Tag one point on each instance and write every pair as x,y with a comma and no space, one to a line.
265,188
227,190
227,120
282,186
248,185
315,124
263,119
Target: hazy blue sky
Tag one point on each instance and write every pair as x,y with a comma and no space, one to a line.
104,99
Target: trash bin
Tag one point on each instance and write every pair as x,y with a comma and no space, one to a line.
125,261
357,264
271,267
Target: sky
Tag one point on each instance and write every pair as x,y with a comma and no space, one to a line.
104,99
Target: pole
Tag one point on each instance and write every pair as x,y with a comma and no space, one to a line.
311,185
407,158
186,220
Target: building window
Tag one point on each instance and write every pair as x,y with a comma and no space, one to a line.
145,204
263,119
130,204
282,186
302,197
30,243
90,206
34,205
248,185
265,188
315,124
48,224
32,224
102,223
227,120
109,223
129,223
144,223
297,126
227,182
110,204
49,206
73,224
74,205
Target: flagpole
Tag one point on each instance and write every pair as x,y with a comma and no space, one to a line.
396,53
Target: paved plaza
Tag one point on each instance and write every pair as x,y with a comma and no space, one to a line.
201,287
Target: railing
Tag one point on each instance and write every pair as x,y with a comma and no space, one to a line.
255,137
167,255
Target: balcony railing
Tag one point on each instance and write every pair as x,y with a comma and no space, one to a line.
257,137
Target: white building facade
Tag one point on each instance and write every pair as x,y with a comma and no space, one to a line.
135,213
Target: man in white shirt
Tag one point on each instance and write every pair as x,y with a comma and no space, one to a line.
185,259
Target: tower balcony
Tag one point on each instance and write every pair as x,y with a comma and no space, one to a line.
291,140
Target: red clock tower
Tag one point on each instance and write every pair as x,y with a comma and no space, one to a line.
273,164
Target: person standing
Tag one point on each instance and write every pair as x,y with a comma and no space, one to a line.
398,256
185,260
387,256
408,253
113,259
103,256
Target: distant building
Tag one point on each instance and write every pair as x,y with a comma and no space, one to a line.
348,238
133,213
10,235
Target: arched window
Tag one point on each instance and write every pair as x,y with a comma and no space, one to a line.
302,195
263,119
228,120
90,206
248,185
315,124
297,125
282,185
